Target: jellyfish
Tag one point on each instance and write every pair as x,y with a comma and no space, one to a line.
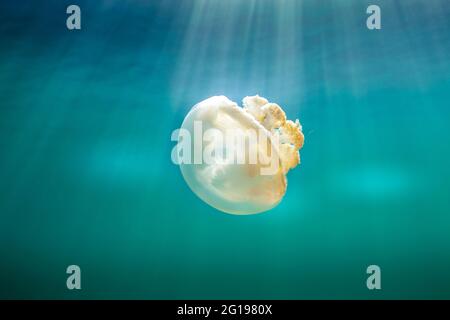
236,158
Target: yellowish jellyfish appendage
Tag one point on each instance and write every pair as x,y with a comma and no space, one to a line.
231,169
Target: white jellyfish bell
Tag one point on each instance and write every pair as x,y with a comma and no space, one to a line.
236,159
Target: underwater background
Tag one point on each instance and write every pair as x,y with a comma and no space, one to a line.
86,176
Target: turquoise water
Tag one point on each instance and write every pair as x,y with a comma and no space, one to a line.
86,176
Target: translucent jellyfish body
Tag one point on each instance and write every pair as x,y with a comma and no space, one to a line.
236,159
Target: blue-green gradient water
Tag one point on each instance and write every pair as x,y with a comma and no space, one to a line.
86,176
